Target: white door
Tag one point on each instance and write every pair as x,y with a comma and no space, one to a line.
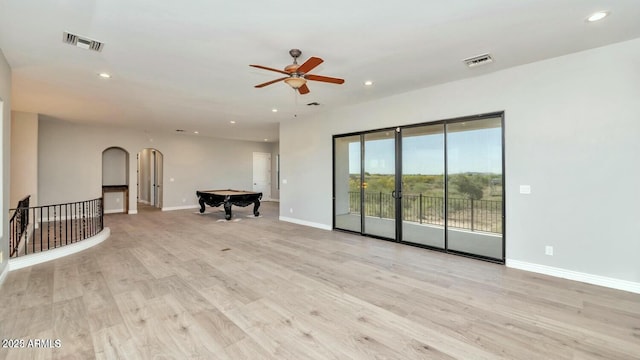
158,176
152,178
262,174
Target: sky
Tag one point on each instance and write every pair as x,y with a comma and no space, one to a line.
477,150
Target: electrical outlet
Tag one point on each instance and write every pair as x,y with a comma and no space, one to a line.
548,250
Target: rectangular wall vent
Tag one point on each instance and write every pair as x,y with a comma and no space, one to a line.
82,42
478,60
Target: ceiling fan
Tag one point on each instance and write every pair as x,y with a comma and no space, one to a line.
297,75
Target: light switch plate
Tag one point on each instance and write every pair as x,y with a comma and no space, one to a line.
548,250
525,189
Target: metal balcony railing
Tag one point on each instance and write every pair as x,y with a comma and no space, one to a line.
474,215
40,228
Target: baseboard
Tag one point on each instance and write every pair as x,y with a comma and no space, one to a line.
3,274
114,211
144,202
185,207
305,223
133,212
613,283
41,257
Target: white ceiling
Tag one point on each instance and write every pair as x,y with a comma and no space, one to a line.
184,64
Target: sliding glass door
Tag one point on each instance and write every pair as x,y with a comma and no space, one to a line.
347,183
437,185
474,187
379,186
423,185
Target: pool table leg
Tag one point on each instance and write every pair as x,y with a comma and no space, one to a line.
227,210
256,205
201,201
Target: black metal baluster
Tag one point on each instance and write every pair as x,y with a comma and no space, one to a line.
12,230
66,223
33,250
100,214
420,209
74,223
93,212
78,222
55,227
472,214
90,205
84,220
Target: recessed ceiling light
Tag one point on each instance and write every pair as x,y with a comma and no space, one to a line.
104,75
368,83
266,139
598,16
196,132
274,110
232,122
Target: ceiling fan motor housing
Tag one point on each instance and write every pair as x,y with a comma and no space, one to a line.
291,68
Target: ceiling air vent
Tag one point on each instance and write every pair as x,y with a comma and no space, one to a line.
478,60
82,42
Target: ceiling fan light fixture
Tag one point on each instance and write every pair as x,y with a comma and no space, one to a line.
295,82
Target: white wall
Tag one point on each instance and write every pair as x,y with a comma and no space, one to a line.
275,152
66,174
114,167
5,133
571,132
24,157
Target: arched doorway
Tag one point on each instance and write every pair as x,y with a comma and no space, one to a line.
115,180
150,169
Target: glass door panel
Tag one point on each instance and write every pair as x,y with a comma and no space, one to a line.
347,168
379,184
423,185
474,187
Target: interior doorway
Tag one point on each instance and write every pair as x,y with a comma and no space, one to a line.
150,175
262,174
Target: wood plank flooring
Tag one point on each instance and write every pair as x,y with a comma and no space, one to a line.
180,285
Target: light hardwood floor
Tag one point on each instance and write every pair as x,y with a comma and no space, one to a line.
178,285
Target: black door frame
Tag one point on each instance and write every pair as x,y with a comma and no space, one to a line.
398,183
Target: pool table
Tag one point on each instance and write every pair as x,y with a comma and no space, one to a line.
229,197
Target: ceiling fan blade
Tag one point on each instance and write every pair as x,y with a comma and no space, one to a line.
324,79
270,82
308,65
303,89
270,69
